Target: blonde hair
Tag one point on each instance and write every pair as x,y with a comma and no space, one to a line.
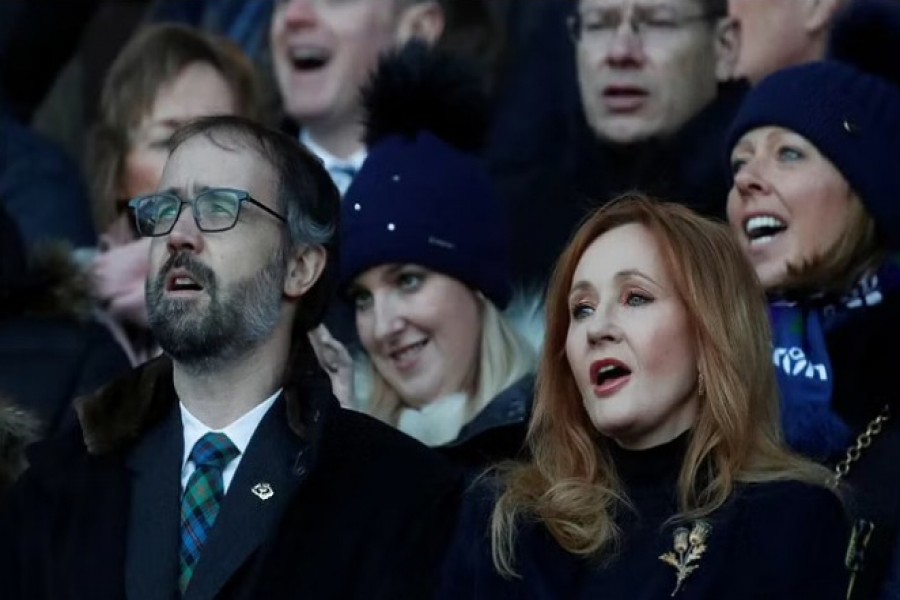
571,485
504,358
856,252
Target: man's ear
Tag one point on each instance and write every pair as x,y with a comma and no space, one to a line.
818,15
304,268
727,48
422,21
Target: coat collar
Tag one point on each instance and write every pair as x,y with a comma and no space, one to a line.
115,417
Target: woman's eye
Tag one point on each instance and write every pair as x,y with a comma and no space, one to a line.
581,311
409,281
789,154
161,144
737,164
637,299
361,300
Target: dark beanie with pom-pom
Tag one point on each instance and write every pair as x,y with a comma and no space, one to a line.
422,196
848,107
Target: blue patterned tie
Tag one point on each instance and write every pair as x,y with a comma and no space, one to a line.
202,496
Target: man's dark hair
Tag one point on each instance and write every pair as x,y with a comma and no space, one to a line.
715,8
305,195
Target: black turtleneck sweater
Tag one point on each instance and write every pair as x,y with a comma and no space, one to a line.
773,540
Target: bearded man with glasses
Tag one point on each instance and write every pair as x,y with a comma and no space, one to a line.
225,468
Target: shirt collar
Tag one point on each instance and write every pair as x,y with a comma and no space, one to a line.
239,432
329,160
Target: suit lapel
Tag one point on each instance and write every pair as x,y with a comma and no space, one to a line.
263,485
151,571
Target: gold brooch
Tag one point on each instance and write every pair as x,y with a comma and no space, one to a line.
689,548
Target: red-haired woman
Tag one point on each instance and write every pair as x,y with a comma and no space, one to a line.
658,466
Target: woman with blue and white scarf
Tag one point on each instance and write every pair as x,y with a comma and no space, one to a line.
815,204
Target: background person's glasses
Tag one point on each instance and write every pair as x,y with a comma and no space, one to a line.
214,210
602,25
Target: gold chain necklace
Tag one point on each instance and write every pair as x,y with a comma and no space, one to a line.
862,528
855,451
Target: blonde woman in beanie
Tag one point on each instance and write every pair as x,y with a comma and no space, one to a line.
815,153
423,264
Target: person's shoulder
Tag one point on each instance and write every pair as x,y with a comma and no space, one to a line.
791,496
378,445
794,513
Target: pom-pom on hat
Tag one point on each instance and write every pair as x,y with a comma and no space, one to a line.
848,107
422,196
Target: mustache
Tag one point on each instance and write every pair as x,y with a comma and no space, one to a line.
200,273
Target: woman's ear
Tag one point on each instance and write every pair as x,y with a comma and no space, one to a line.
304,268
421,21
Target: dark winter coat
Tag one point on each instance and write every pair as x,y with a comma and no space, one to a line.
41,187
51,349
18,429
864,363
497,433
773,541
359,510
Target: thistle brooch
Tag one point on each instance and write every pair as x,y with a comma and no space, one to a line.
690,544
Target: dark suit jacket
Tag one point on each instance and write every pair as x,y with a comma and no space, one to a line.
358,511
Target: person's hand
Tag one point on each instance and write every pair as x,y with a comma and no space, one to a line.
119,276
337,362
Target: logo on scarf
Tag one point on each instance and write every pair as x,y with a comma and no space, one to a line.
793,362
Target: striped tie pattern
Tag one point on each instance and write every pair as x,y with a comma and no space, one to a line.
202,496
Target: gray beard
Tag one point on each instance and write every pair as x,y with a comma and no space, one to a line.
235,321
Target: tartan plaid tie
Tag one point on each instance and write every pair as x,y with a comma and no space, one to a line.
202,496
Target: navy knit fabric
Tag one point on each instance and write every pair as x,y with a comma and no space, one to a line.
419,200
850,116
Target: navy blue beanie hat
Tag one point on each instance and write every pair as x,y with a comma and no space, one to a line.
422,196
848,107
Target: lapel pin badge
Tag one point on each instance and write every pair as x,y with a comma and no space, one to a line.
690,545
263,491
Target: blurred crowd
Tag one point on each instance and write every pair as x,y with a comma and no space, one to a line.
474,298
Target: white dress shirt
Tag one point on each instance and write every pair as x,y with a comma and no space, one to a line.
239,432
339,169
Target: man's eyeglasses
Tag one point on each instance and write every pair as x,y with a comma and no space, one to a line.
214,210
603,25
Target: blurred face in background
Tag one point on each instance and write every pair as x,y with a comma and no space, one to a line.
324,51
775,34
788,204
647,66
199,90
421,330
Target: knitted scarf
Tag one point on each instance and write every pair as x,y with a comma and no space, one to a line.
800,356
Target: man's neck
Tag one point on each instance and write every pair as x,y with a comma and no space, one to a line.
340,140
220,397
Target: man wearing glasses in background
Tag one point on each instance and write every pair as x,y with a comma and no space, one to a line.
225,469
657,95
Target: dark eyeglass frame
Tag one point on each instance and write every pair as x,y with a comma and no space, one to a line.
242,197
573,22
